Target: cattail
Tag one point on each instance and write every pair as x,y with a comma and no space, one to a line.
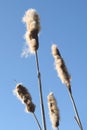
32,42
23,94
61,67
53,110
32,20
30,107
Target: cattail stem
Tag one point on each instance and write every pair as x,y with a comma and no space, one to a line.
40,91
37,121
76,112
77,121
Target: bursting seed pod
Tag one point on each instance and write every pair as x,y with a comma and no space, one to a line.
61,67
53,110
23,94
32,20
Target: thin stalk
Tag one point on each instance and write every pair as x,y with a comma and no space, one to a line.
75,110
40,91
37,121
77,121
58,128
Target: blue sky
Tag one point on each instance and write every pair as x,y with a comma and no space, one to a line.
62,22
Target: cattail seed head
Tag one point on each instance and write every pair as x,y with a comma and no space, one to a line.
32,20
55,51
61,67
33,43
53,110
30,107
23,94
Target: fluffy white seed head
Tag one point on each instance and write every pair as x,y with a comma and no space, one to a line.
62,71
32,20
61,67
53,110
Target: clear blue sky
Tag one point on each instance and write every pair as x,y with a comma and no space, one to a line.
63,22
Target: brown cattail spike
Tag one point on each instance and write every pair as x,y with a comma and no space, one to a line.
30,107
53,110
61,67
23,94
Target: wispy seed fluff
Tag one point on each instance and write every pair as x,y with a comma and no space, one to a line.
32,21
23,94
53,110
61,67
